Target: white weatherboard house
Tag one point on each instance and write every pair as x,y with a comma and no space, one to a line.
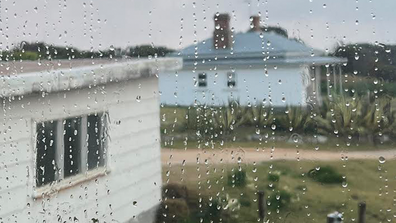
253,67
80,144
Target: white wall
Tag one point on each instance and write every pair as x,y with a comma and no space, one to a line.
134,155
253,85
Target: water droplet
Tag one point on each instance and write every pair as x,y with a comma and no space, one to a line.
382,159
273,126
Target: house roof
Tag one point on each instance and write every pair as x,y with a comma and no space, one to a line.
257,46
50,77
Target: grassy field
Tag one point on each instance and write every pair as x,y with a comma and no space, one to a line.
369,181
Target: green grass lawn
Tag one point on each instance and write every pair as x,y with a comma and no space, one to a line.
368,181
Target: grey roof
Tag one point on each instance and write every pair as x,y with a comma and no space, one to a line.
255,46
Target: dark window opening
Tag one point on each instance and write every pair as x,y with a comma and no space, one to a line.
202,81
72,145
231,80
46,152
95,141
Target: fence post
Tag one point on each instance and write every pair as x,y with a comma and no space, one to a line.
261,205
362,212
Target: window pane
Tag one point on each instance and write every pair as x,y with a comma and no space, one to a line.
72,142
46,147
95,143
202,82
231,80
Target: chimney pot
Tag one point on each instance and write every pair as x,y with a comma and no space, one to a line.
255,23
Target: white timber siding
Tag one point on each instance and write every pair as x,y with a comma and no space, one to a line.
130,183
285,85
133,165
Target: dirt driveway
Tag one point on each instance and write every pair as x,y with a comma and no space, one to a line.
235,155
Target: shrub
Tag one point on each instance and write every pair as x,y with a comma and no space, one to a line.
273,177
356,117
325,175
19,55
296,119
208,210
173,211
237,178
245,201
174,191
301,188
183,205
279,200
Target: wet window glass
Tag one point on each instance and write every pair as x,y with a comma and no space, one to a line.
201,111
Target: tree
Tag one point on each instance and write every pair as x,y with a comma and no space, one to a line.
276,29
41,50
369,60
148,50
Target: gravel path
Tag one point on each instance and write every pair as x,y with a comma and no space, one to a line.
234,155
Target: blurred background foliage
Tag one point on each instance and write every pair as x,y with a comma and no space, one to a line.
41,50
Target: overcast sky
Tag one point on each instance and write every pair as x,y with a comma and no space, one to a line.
177,23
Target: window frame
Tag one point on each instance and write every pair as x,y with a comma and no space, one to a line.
61,182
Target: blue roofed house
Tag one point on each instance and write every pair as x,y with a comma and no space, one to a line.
251,67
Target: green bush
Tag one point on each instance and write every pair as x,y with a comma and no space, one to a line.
273,177
19,55
356,117
202,208
325,175
301,188
237,178
279,199
173,211
245,201
183,205
174,191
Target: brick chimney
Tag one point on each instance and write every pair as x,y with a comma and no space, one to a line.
222,33
255,23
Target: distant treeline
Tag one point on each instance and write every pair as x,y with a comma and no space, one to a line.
369,60
41,50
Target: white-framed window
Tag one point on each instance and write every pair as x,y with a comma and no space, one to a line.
202,80
231,79
71,146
